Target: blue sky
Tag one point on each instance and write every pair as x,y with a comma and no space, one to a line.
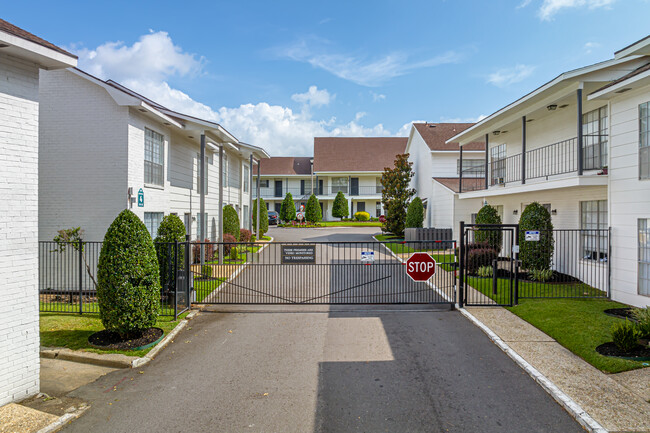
276,74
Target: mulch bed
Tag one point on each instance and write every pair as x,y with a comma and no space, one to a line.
110,340
611,349
621,313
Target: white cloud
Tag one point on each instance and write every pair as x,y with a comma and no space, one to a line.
507,76
590,46
362,71
360,115
146,66
550,7
313,97
523,4
376,97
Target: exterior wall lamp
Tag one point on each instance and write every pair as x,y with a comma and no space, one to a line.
515,212
496,132
552,107
554,212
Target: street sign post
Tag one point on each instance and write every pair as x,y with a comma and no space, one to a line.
420,267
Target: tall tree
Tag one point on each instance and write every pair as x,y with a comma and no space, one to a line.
340,206
397,194
288,209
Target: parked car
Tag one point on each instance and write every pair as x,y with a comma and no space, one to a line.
273,217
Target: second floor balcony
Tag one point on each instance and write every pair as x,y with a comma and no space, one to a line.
320,191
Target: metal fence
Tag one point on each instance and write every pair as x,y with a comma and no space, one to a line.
67,277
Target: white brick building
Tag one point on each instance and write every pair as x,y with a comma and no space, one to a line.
21,56
104,147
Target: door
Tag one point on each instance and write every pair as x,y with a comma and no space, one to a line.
320,186
278,188
354,186
278,206
302,187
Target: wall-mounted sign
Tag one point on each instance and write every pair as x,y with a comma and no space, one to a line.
140,198
532,235
296,254
367,257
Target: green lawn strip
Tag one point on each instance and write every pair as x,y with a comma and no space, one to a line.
533,290
72,331
87,308
577,324
204,288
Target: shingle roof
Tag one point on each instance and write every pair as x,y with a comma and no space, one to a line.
469,184
435,135
356,153
286,165
23,34
635,72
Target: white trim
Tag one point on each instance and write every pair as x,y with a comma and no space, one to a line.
611,91
569,182
45,57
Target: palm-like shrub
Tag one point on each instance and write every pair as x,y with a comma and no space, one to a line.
171,230
536,254
494,238
415,213
313,213
128,291
230,221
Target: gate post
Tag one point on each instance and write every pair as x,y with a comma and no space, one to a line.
81,275
516,259
461,279
175,276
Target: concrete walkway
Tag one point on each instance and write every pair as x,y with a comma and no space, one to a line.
615,401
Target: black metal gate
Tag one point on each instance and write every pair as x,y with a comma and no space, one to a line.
174,260
489,272
319,273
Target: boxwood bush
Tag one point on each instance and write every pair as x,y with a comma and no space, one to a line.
171,229
288,208
533,254
128,291
264,218
231,221
340,206
313,213
415,214
362,216
489,215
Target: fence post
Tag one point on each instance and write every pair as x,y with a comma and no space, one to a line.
188,270
461,279
516,259
175,277
81,275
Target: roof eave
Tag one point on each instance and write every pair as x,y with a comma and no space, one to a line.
45,57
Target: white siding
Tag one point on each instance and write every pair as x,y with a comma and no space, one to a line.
420,156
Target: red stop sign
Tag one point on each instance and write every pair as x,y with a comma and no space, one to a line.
420,266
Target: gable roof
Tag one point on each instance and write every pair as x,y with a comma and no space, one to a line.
437,134
286,165
24,34
353,154
469,184
625,77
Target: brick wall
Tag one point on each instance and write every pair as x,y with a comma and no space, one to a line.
19,337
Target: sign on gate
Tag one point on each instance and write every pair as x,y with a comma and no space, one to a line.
532,235
293,254
367,257
420,266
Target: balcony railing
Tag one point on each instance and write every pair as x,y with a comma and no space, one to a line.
347,190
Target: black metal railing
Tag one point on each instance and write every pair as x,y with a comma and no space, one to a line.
298,193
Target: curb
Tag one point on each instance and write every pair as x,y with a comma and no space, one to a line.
64,419
574,409
115,360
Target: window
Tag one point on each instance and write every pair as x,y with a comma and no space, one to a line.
247,180
379,188
471,167
339,184
153,157
234,180
246,216
644,141
361,206
198,174
199,221
302,187
152,221
593,222
594,139
224,169
498,164
264,183
378,209
644,256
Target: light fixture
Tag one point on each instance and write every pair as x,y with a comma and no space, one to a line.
496,132
554,212
551,107
515,212
529,120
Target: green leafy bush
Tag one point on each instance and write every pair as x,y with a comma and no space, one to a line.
625,335
231,221
244,235
288,208
642,315
313,213
415,214
128,291
206,271
536,254
362,216
340,206
264,218
494,238
480,257
485,271
540,275
171,230
234,253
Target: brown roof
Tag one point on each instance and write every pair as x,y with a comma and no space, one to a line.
469,184
635,72
436,134
286,165
23,34
356,153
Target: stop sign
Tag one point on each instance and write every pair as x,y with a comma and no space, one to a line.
420,266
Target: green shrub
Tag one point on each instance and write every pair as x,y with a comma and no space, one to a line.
540,275
362,216
231,221
536,254
171,230
264,218
415,213
128,291
485,271
288,208
480,257
340,206
494,238
234,253
625,335
206,271
642,315
313,213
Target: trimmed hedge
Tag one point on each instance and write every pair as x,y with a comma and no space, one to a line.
128,291
340,206
313,213
231,221
362,216
415,213
536,255
288,208
489,215
264,218
171,230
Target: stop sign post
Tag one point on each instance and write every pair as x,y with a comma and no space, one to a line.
420,266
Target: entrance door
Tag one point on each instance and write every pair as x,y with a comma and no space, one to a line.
278,188
320,186
354,186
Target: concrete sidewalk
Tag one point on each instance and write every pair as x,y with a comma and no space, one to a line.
617,402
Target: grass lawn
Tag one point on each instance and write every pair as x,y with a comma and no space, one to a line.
72,331
350,224
88,307
577,324
204,288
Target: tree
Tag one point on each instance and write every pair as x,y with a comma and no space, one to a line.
415,213
128,289
340,206
494,238
171,230
313,213
73,237
288,209
397,194
231,221
536,255
264,218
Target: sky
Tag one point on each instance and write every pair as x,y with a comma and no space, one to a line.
277,74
